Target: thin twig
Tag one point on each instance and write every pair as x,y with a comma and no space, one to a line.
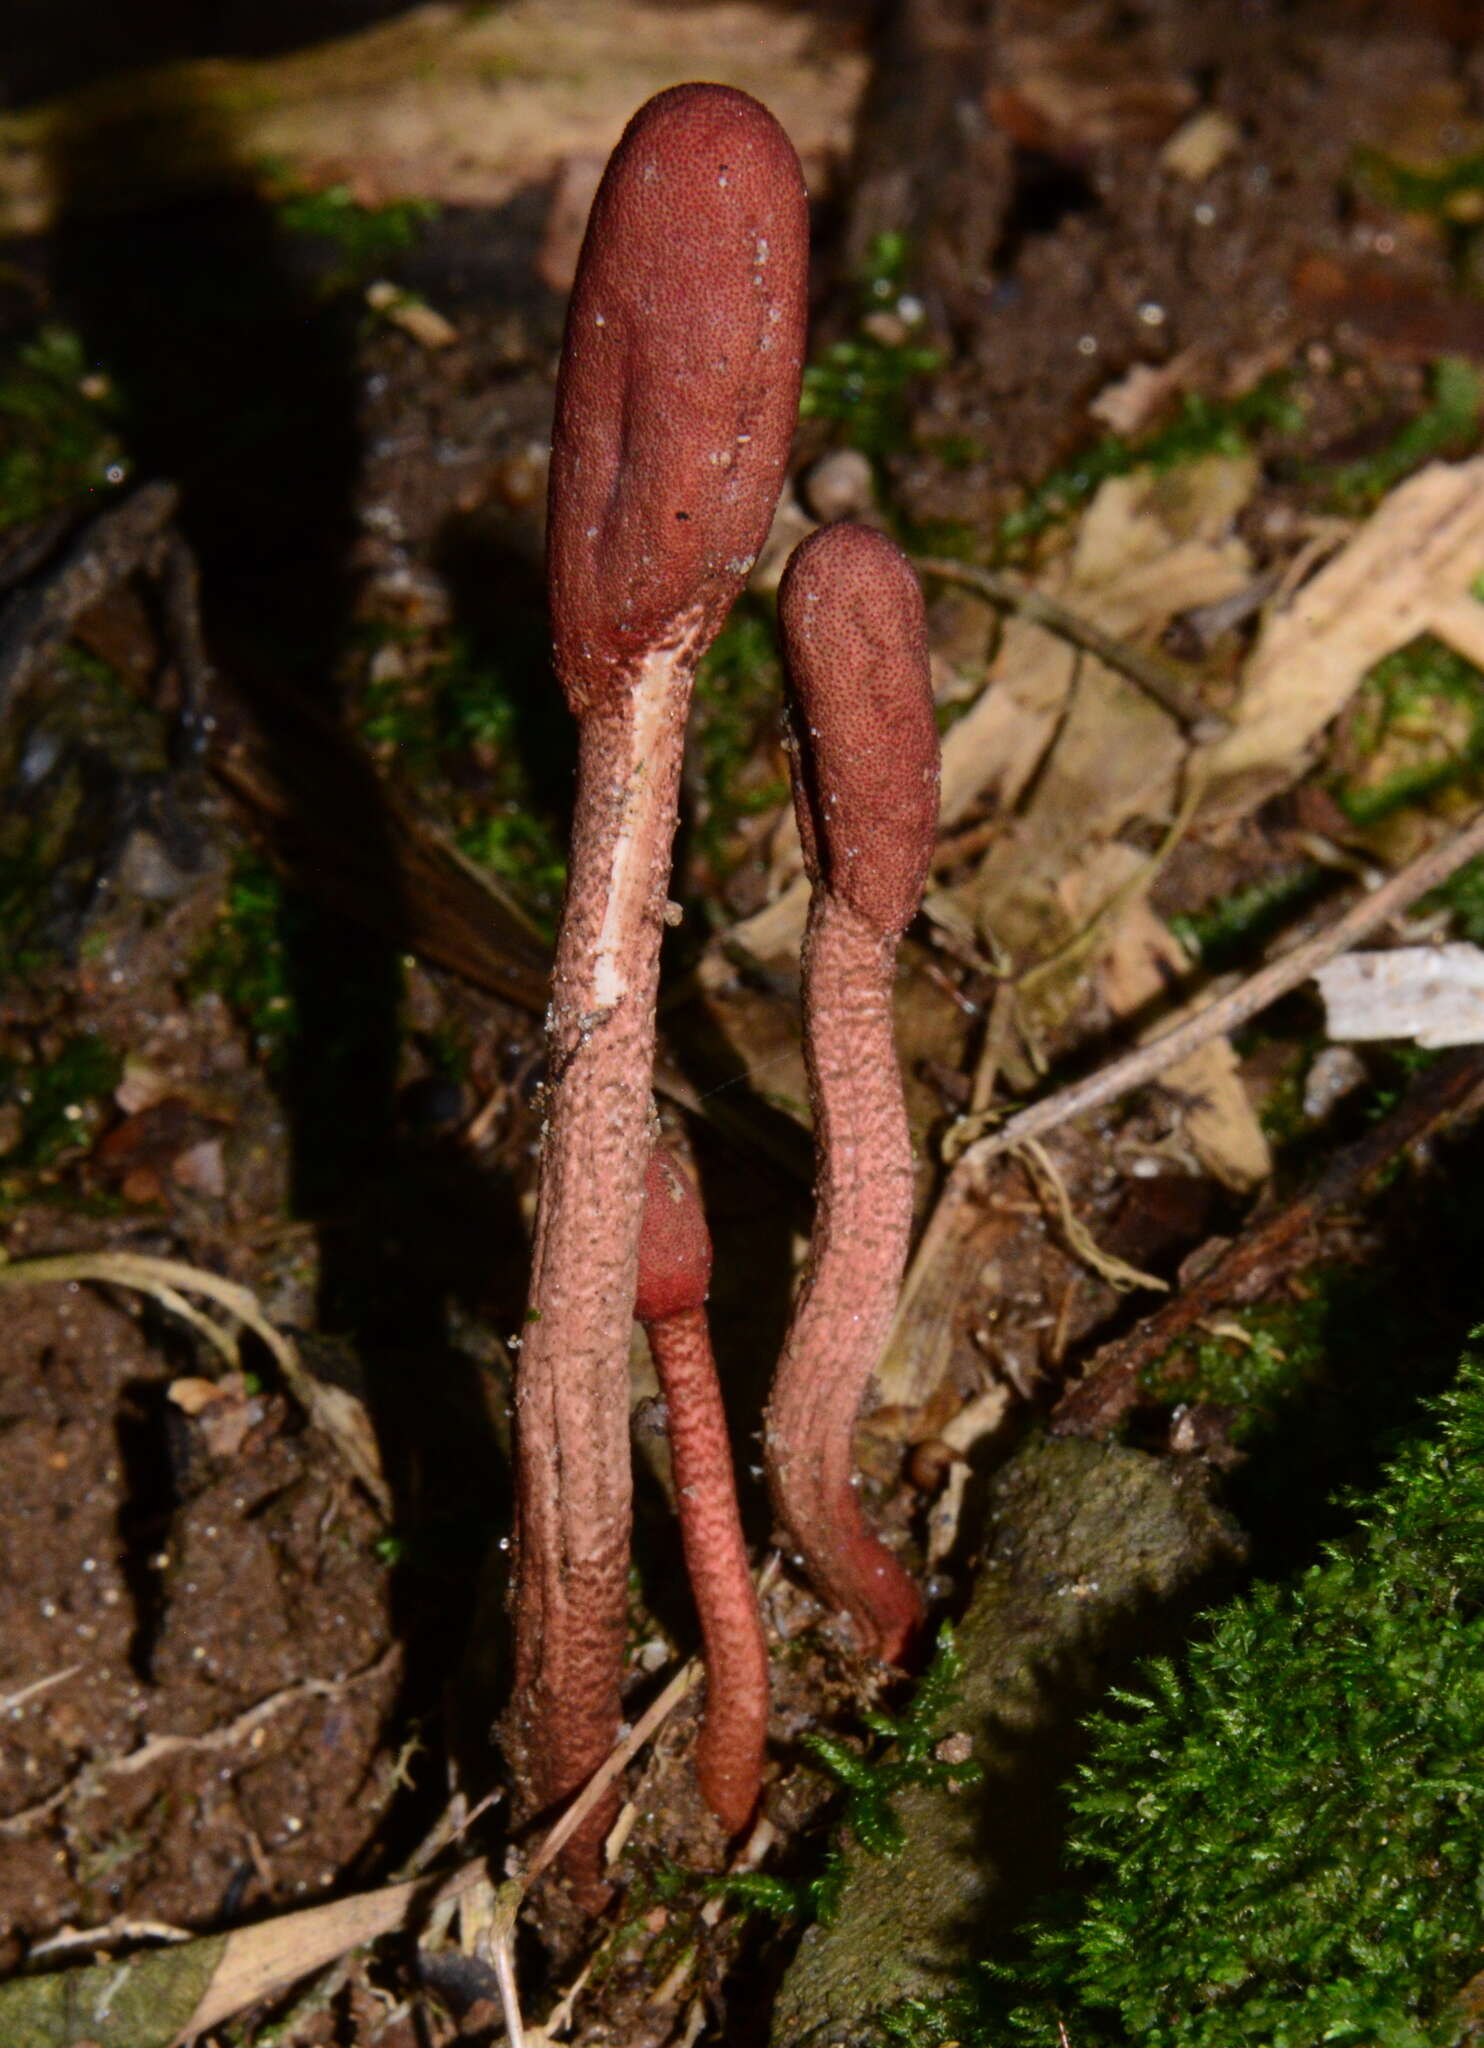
11,1700
499,1945
1215,1020
1252,1266
947,1224
120,1928
1158,679
169,1281
156,1748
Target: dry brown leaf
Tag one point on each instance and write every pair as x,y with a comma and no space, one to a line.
1117,758
1150,545
1217,1116
1407,571
455,103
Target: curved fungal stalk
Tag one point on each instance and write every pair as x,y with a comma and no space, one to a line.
674,1274
676,401
865,770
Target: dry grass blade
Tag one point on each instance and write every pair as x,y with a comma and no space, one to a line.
169,1281
1076,1236
1157,678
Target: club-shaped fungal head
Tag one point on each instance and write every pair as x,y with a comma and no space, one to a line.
866,770
674,1243
679,383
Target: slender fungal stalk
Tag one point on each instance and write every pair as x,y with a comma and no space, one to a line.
674,1274
866,792
676,401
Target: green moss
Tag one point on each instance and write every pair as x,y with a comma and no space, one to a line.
1284,1120
1260,1360
861,381
55,1100
245,960
57,439
1447,425
1202,426
1447,192
904,1754
521,849
1224,932
1283,1833
455,732
1418,726
1292,1818
1463,896
25,867
359,240
1444,192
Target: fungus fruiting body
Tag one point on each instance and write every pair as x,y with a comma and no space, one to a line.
670,1301
865,767
676,401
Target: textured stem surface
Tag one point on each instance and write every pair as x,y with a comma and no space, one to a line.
729,1754
572,1396
676,399
862,1224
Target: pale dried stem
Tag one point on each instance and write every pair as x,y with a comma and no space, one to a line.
573,1481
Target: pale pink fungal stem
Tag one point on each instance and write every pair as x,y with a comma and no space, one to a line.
674,1274
865,770
676,402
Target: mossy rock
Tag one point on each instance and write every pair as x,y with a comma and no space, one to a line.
1099,1554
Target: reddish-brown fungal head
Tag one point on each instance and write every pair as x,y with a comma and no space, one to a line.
674,1243
866,793
674,1272
676,402
679,381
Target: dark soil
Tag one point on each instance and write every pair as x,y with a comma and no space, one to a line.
231,1027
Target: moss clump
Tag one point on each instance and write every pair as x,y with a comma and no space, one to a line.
1285,1831
907,1754
1448,424
1463,895
1417,727
57,442
245,961
455,726
861,381
1254,1364
1228,930
58,1101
